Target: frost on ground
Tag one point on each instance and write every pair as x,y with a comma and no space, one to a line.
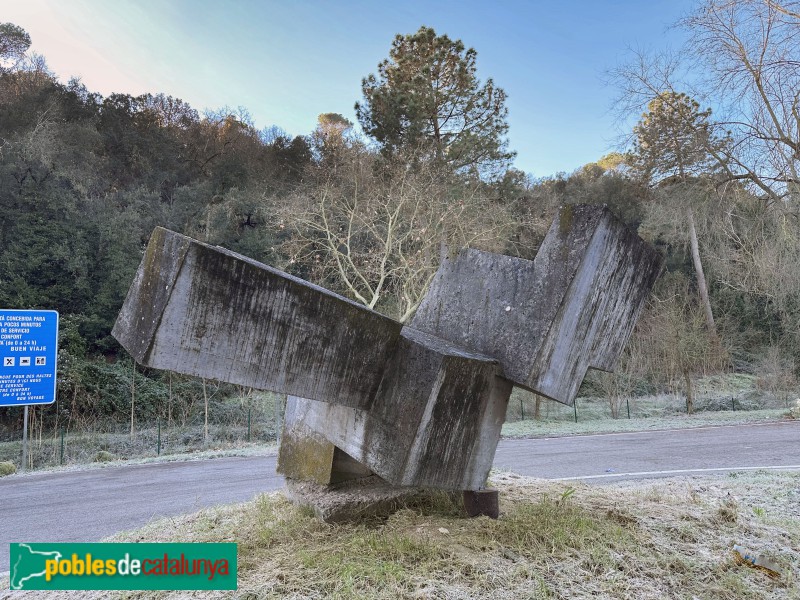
729,399
532,428
666,538
243,451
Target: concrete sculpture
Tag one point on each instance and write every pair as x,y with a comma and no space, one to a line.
417,405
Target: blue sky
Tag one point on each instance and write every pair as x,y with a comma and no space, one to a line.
288,61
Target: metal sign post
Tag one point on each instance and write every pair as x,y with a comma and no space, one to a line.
28,357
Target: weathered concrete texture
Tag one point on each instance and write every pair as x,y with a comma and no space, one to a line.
420,405
306,455
354,500
435,421
598,312
547,320
206,311
140,316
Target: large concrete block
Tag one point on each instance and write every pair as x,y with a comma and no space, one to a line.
435,422
547,320
421,405
306,454
203,310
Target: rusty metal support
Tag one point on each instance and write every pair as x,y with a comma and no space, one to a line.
479,503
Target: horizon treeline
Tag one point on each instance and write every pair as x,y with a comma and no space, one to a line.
84,179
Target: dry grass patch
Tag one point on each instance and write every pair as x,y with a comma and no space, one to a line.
668,538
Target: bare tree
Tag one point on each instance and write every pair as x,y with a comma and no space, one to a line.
743,56
671,341
753,58
777,374
376,230
755,253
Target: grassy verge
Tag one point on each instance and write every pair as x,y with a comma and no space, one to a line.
716,395
668,538
242,450
546,428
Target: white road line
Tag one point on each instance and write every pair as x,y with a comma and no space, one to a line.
678,472
649,431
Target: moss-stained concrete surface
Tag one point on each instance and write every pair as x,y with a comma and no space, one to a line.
206,311
305,455
421,405
548,320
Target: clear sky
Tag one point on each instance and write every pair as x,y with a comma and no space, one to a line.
287,61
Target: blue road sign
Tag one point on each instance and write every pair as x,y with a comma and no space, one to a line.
28,356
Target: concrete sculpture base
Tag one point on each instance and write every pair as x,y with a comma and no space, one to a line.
356,500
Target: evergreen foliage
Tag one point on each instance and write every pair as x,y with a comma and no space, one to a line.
427,96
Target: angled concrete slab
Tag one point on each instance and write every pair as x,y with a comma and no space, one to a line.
205,311
435,422
547,320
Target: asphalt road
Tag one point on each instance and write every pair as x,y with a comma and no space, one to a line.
614,456
89,505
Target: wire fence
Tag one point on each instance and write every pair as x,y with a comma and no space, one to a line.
253,421
256,419
525,406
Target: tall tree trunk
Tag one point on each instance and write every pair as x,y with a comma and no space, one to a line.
701,277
